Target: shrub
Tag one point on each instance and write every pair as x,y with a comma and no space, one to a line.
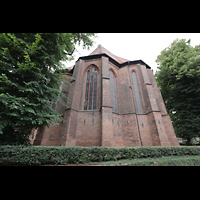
40,155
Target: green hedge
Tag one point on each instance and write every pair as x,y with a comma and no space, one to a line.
40,155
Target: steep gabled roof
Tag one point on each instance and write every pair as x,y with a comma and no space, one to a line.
120,62
100,50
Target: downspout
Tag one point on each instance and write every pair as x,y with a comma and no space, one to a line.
134,104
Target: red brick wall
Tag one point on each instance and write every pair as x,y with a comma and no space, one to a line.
102,127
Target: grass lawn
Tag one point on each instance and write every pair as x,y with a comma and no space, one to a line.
161,161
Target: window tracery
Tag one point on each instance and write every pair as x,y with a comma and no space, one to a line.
90,102
113,92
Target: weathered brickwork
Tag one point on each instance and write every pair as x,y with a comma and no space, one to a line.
151,126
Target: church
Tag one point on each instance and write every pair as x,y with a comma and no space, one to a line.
112,102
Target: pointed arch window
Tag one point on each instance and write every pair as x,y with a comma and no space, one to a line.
113,92
137,94
90,102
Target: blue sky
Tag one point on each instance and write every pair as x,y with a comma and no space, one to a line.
135,46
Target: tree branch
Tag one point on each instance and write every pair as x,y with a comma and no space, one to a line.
70,53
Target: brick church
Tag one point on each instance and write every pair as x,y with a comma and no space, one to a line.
111,102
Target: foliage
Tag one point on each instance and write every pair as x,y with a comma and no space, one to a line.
28,82
179,78
40,155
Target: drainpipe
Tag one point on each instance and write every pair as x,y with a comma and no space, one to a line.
134,104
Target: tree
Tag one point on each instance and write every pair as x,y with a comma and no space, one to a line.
28,82
179,78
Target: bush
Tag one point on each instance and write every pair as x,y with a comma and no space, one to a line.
40,155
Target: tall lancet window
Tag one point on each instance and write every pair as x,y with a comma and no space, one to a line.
90,102
137,94
113,92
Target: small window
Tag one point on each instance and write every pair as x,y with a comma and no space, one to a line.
90,102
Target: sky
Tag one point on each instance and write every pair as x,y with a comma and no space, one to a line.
135,46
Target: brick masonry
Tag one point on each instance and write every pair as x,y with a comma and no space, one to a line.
103,127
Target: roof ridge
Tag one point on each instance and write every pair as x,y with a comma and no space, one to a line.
100,49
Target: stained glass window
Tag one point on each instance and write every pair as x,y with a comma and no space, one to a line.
95,90
113,92
137,94
90,102
86,90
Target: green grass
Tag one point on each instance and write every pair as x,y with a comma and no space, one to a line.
160,161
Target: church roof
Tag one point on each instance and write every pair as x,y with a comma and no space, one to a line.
118,61
100,49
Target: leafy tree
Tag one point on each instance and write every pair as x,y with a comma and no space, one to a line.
28,82
179,78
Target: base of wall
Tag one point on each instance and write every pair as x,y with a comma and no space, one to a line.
82,128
